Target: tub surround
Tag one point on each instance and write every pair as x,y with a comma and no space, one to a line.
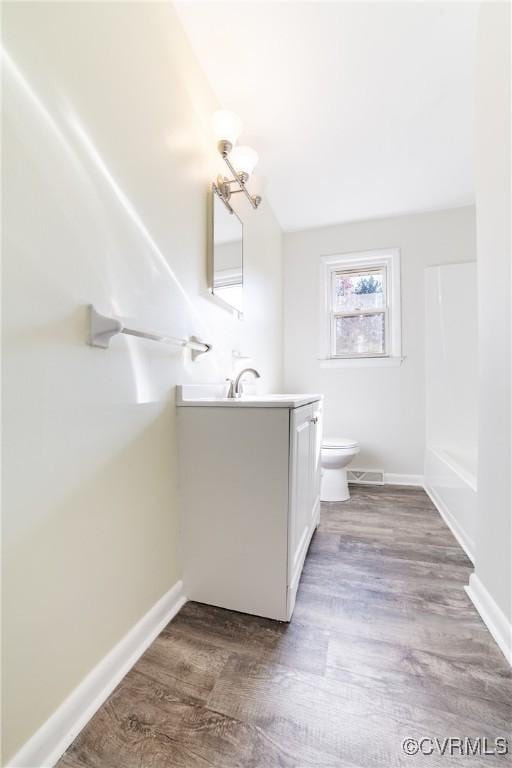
454,492
451,407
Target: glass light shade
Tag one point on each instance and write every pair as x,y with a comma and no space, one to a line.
244,159
227,126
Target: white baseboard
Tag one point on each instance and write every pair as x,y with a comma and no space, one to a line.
451,522
50,742
492,615
394,479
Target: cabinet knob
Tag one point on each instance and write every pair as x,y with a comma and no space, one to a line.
314,419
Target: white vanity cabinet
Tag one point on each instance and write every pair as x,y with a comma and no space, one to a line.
249,480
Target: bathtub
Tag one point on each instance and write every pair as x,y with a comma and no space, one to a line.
450,481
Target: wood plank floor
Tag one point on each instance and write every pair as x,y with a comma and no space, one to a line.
384,645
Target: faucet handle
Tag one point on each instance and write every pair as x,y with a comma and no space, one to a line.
231,389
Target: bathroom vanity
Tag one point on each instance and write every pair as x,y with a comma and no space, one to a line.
249,478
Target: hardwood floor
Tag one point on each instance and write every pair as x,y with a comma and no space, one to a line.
384,645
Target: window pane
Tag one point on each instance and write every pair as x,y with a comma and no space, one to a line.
360,335
358,291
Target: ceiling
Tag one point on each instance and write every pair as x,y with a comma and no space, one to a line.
357,110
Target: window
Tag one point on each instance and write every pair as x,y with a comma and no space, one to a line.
359,312
362,307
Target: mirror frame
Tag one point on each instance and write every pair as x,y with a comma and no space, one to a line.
211,251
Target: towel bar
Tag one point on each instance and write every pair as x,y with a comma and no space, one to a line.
103,328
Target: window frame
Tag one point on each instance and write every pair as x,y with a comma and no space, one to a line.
386,261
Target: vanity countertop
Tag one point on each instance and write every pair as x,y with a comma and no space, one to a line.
214,395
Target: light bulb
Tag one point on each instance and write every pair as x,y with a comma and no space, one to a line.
244,160
227,126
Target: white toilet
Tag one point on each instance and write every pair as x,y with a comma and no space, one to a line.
337,453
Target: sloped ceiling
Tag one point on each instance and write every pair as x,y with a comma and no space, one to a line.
358,110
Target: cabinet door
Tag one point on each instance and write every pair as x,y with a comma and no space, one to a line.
300,488
314,463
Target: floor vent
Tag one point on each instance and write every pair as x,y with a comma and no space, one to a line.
366,476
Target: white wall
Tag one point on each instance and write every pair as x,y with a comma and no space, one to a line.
493,205
382,408
107,157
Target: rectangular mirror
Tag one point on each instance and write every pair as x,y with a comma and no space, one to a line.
226,255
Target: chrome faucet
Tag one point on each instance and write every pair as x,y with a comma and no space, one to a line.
235,386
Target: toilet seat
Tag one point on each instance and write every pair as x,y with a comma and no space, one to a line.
339,442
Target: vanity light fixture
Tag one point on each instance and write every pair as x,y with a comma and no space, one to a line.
240,160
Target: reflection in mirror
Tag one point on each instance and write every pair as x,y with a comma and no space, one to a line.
227,255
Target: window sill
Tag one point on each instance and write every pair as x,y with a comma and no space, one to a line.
362,362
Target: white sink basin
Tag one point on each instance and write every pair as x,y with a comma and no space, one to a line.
215,395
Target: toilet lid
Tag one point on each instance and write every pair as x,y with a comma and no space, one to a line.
339,442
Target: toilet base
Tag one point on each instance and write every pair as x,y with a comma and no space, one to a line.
334,486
